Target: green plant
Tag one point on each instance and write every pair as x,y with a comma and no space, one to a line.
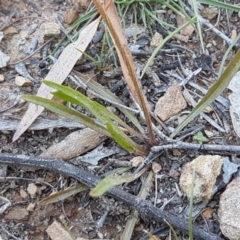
213,92
200,138
106,119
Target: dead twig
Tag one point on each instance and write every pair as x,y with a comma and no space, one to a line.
157,150
87,178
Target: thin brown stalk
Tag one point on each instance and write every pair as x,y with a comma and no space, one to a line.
125,54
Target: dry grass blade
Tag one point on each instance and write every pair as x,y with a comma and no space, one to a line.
110,16
133,219
58,74
59,196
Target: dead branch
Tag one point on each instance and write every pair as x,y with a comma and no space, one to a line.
87,178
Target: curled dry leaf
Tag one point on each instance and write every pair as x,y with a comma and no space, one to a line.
75,144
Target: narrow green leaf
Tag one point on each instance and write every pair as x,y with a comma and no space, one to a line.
219,4
213,92
170,36
59,196
112,181
98,88
66,112
66,98
98,110
124,141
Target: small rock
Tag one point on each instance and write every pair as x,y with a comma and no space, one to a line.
209,133
156,167
23,194
16,213
170,104
32,189
57,232
156,39
173,173
22,82
188,30
1,78
234,34
208,213
210,12
81,4
10,31
136,161
50,29
31,207
207,169
70,16
176,152
229,210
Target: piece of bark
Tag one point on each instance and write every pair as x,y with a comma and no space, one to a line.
75,144
39,124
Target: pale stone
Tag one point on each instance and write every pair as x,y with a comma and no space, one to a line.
207,169
1,78
57,232
156,167
156,39
22,82
170,104
31,207
50,29
229,210
70,16
210,12
32,189
188,30
16,213
23,194
209,133
136,161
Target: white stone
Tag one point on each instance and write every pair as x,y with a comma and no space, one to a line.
207,169
229,210
22,82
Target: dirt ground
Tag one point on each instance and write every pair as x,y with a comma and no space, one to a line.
80,214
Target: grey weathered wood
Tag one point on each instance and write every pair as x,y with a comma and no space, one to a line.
39,124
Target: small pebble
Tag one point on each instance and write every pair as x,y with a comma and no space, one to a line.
22,82
1,78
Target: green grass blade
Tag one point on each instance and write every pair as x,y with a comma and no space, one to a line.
213,92
124,141
98,110
150,60
221,5
226,54
134,216
112,181
98,88
172,229
190,220
60,196
199,27
66,112
66,98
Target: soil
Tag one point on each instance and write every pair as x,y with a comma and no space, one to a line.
25,219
